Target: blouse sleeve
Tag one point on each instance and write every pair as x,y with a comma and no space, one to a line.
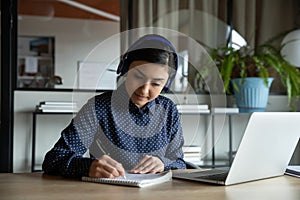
66,157
174,154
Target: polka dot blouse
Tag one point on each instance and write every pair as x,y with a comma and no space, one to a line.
110,123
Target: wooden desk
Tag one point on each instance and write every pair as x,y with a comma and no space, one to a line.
37,186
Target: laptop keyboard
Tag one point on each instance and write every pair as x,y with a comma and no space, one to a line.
214,174
217,177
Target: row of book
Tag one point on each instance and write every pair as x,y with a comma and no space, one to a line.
57,106
204,108
192,154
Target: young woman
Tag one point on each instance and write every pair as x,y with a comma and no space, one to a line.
133,128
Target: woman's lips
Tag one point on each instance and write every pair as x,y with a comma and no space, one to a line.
140,97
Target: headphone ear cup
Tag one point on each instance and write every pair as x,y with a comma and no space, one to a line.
123,66
120,67
176,61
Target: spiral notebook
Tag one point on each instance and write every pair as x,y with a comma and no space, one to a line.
135,180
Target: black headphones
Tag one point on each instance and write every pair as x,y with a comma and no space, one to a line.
139,44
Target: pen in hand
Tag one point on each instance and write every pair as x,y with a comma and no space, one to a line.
100,147
122,171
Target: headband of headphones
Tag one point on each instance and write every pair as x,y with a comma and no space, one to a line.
146,42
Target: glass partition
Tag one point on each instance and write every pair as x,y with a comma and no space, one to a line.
75,28
54,36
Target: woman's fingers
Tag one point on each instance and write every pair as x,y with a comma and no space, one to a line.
148,164
114,169
106,167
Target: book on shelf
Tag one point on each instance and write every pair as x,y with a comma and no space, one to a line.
194,111
224,110
43,106
191,148
65,103
57,106
196,161
135,180
192,154
59,110
193,108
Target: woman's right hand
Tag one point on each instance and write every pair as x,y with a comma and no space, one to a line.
106,167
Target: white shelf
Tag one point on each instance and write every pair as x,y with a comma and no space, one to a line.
31,78
38,57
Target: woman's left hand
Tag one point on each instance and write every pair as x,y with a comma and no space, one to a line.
148,164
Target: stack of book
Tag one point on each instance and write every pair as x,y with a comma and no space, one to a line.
57,106
192,154
224,110
193,108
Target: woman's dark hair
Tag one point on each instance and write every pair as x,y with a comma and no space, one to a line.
158,56
151,48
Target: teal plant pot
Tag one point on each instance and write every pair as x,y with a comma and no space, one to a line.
252,94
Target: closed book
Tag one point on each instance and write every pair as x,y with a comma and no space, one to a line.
58,106
203,111
59,110
135,180
193,155
192,106
224,110
65,103
196,161
192,148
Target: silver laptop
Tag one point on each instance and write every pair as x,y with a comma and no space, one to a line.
266,148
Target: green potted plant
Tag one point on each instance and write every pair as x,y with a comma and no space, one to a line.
260,63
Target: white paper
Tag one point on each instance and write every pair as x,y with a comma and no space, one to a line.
31,64
96,75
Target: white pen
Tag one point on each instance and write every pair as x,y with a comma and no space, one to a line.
99,145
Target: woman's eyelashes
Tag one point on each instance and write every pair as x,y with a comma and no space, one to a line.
156,84
143,80
138,76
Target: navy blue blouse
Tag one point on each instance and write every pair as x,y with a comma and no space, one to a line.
112,124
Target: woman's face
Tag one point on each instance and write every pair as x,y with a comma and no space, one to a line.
145,81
